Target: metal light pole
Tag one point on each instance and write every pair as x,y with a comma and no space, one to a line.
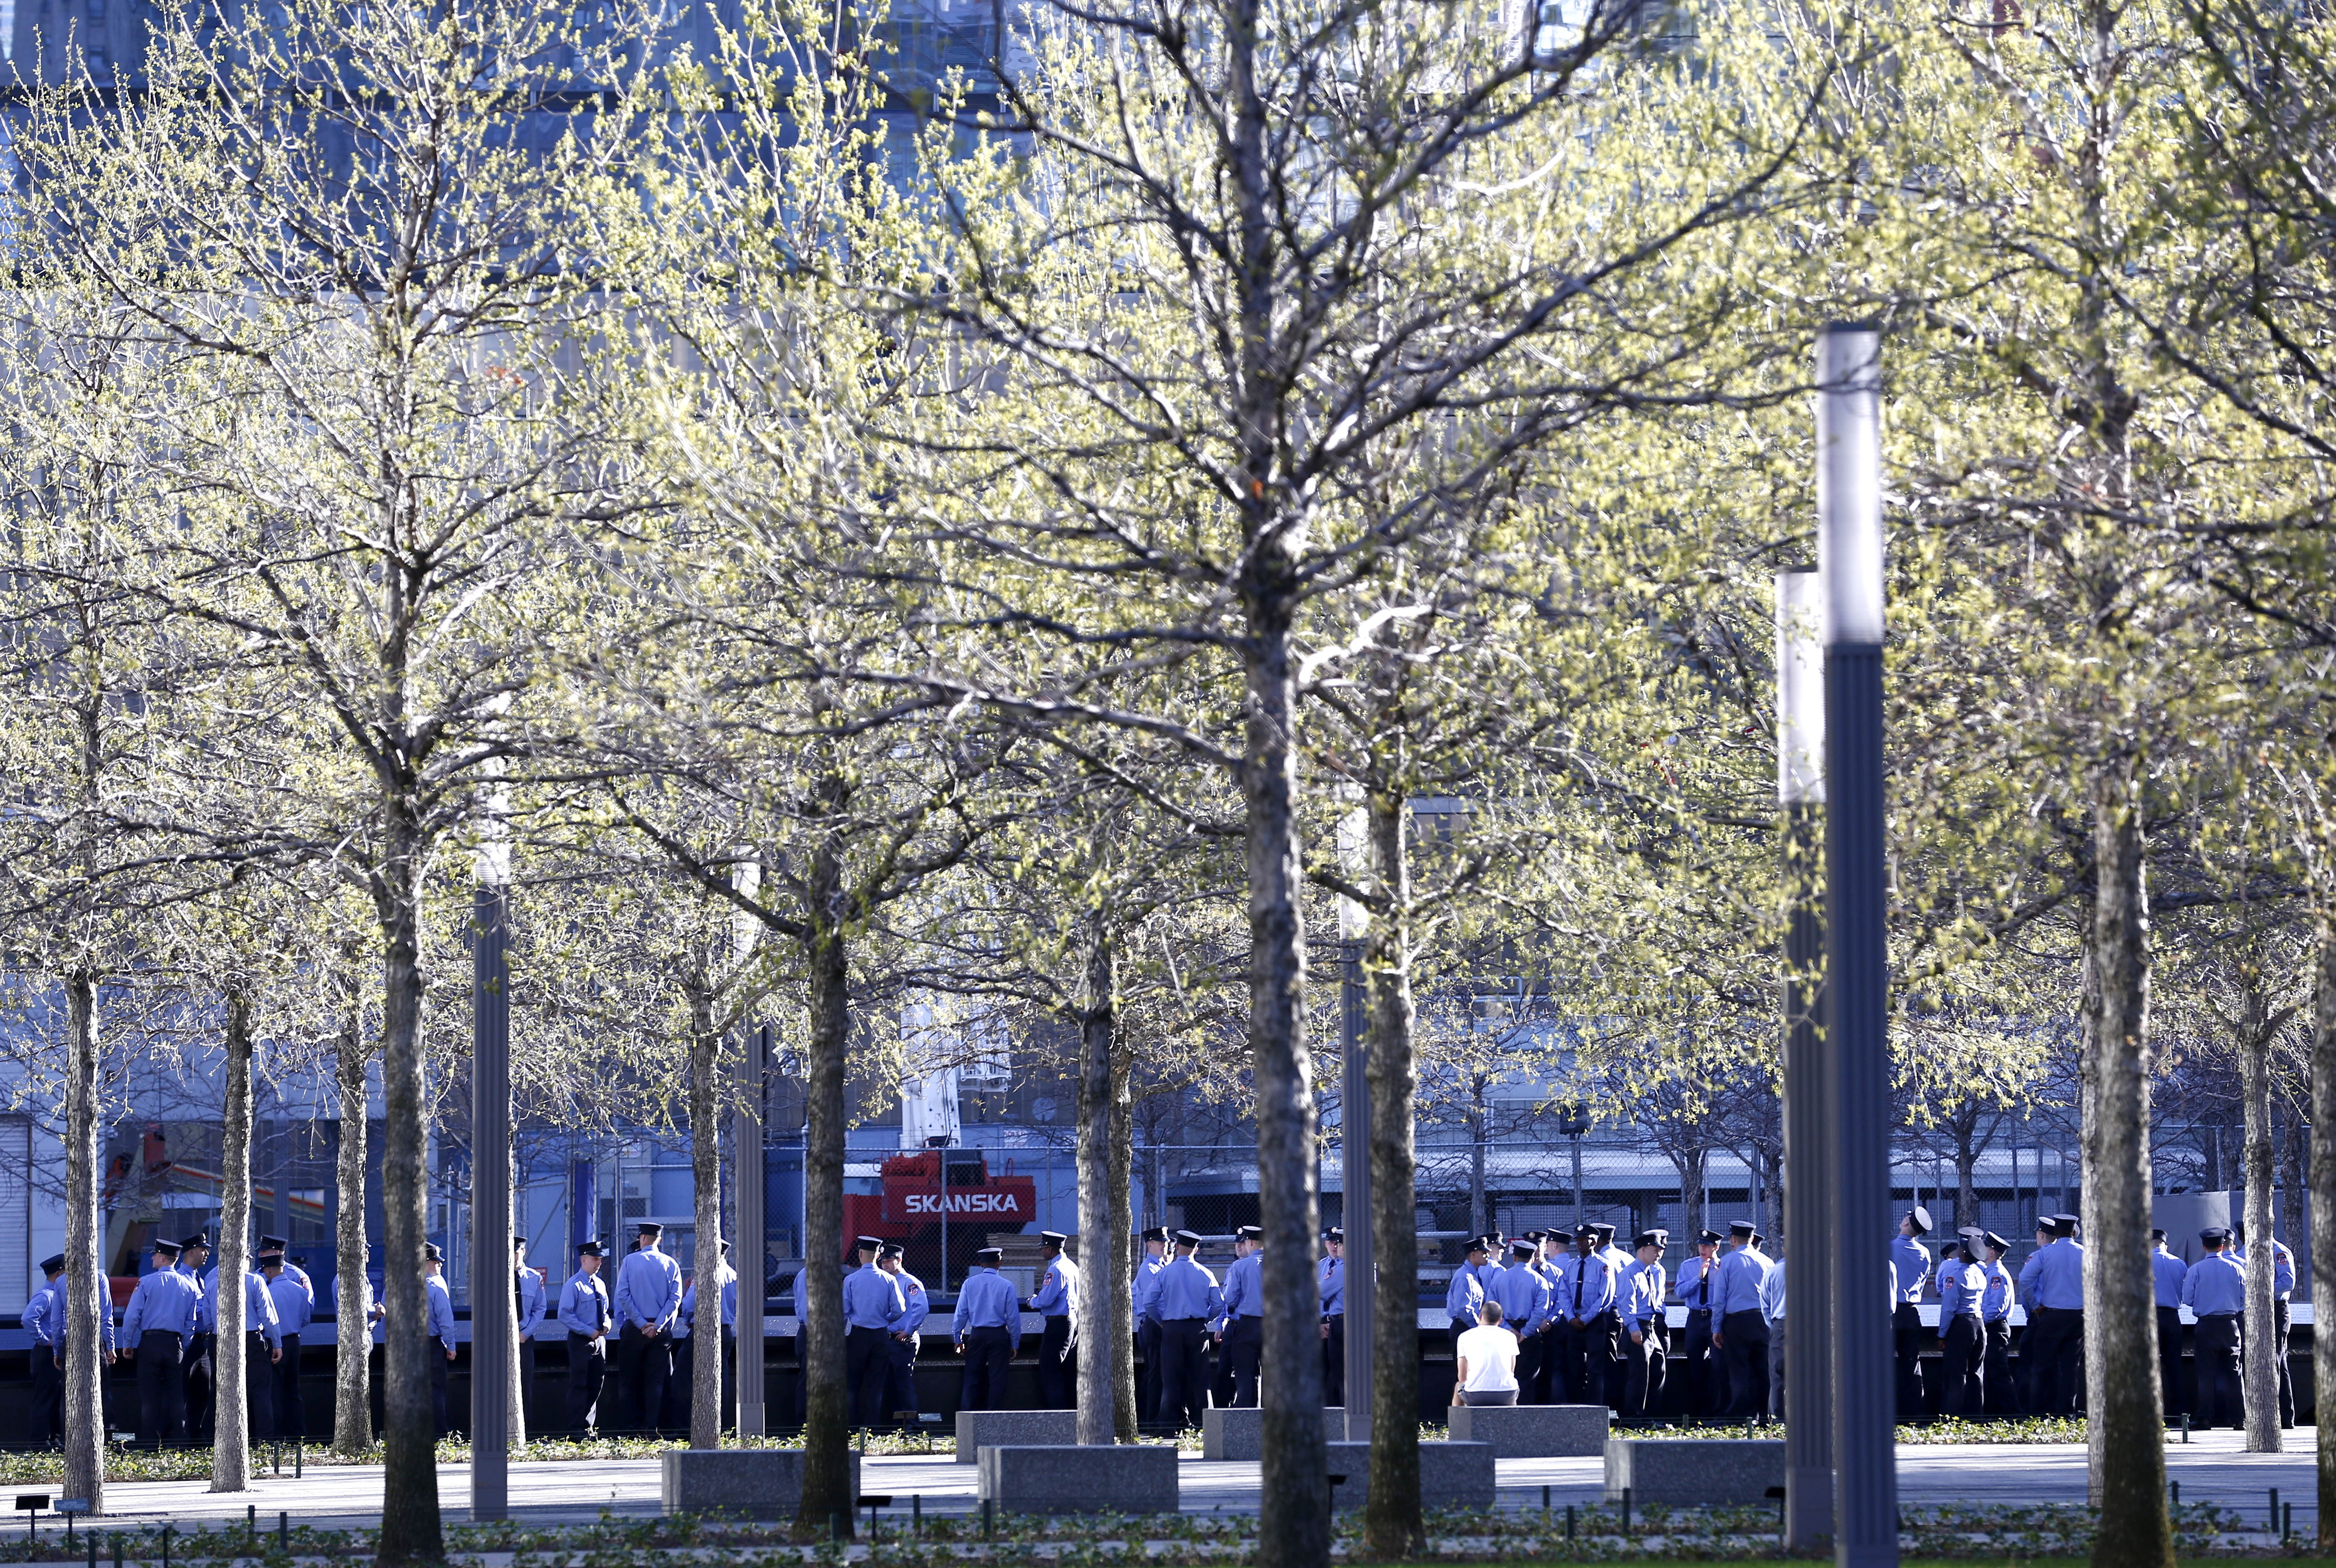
1355,1201
746,1176
1811,1175
492,1279
1856,1044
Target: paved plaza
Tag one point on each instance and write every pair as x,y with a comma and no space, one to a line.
2209,1468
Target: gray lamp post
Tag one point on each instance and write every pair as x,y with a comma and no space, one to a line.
493,1280
747,1173
1811,1178
1856,1046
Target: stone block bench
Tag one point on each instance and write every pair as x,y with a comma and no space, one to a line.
1694,1469
1240,1433
738,1483
1451,1474
980,1430
1533,1431
1066,1478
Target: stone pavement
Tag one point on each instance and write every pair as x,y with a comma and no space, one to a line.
2210,1468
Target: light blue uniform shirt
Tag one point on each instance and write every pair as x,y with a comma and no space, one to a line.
1488,1274
2283,1272
441,1309
1996,1298
258,1307
1699,1280
1909,1261
1589,1289
986,1300
648,1289
2216,1286
871,1299
1147,1289
1524,1296
36,1315
1057,1295
294,1304
1738,1288
165,1299
914,1308
1649,1284
2054,1277
1772,1294
1465,1296
684,1319
1244,1294
584,1306
206,1304
1330,1285
1186,1291
1960,1286
2167,1273
528,1283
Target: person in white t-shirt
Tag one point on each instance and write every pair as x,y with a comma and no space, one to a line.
1488,1361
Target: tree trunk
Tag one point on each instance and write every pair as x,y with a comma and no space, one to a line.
1099,1246
231,1423
818,1288
88,1300
410,1526
2323,1183
1293,1532
1480,1210
2260,1377
352,1313
1122,1325
1392,1526
705,1170
2128,1433
2291,1192
1690,1168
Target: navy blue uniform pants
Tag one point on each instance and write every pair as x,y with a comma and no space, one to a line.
989,1352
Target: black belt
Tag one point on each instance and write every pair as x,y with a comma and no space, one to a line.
170,1334
1167,1320
574,1338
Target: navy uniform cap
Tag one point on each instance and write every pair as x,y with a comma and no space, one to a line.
1476,1244
1603,1231
1708,1238
1523,1249
2157,1233
1562,1238
1055,1236
1188,1238
589,1250
51,1265
1155,1234
648,1228
2064,1224
1756,1239
1335,1233
867,1243
990,1254
1994,1240
167,1249
430,1255
1251,1232
518,1238
197,1239
1921,1219
1740,1227
888,1250
2214,1235
1655,1238
273,1243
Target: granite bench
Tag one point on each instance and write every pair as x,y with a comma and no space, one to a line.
980,1430
1068,1478
738,1483
1694,1469
1240,1433
1533,1431
1451,1474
